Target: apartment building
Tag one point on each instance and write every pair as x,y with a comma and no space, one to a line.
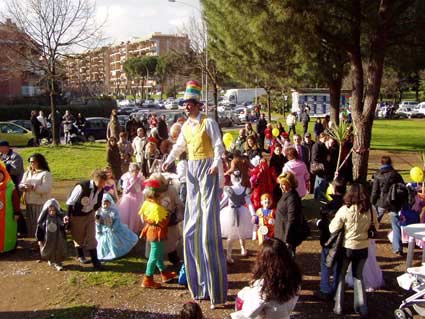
102,70
19,75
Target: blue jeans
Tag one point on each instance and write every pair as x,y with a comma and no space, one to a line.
320,186
325,274
395,225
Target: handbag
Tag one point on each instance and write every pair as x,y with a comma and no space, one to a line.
317,168
372,232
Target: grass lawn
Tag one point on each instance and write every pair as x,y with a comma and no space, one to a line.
399,135
394,135
71,161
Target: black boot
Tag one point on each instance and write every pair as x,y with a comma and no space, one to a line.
80,256
173,257
96,263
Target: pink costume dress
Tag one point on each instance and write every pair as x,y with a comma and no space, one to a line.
131,201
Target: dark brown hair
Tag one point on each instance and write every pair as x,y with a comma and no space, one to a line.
291,153
386,160
191,310
280,274
357,195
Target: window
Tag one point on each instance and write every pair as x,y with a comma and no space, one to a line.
11,129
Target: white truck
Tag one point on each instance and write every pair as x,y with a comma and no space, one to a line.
240,96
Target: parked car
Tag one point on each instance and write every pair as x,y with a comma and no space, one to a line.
15,134
23,123
223,119
123,119
409,112
95,128
171,117
421,108
242,113
408,104
172,105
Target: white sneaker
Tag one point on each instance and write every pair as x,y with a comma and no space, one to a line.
244,252
230,260
58,267
49,263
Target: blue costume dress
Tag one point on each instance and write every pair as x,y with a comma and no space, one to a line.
114,239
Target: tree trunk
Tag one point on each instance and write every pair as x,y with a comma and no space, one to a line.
269,105
55,135
361,146
363,112
335,96
215,95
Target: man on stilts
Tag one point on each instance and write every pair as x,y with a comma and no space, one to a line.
203,248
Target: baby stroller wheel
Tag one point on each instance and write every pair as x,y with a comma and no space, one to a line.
400,314
419,309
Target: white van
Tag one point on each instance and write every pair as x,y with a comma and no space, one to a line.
421,108
411,104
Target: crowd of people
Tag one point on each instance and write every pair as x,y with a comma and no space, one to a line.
181,192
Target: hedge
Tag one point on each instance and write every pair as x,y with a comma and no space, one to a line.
23,112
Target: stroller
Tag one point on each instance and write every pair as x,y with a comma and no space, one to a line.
76,135
413,279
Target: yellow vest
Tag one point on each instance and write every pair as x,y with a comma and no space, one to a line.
198,142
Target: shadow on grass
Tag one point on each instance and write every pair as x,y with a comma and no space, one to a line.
85,312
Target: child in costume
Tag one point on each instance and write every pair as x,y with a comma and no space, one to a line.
9,211
276,283
235,217
114,239
51,235
132,198
265,217
268,140
261,182
155,231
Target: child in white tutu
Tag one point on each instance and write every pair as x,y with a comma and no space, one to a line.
236,215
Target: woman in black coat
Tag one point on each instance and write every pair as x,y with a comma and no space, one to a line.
289,216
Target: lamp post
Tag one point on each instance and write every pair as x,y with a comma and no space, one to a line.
147,79
205,96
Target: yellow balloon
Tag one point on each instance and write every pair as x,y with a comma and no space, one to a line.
329,191
275,132
227,138
416,174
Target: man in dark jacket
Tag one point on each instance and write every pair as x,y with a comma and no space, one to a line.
305,119
382,182
308,142
323,153
261,127
328,212
162,128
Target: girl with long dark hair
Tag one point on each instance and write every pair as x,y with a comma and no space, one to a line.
355,218
273,292
36,185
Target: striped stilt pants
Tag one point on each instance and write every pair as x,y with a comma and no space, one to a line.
203,248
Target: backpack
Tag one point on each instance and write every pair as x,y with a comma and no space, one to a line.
397,196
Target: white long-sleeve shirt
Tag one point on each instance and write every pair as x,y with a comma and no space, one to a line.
213,132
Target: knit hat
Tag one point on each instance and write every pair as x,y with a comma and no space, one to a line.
4,143
192,93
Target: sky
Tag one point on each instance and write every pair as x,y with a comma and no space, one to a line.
126,19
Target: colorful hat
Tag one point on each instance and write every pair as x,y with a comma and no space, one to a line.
192,93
